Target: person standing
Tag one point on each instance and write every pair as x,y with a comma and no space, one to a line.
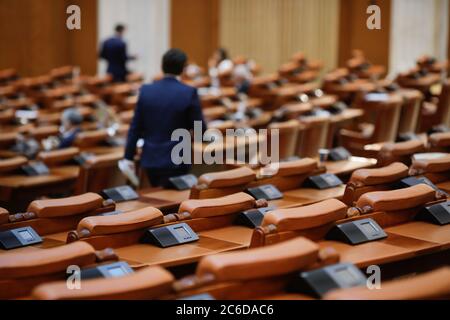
163,107
114,51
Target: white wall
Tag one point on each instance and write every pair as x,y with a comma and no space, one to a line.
418,27
148,34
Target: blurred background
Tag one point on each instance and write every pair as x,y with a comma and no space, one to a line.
34,37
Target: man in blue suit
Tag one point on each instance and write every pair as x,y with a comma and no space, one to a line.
162,107
114,51
71,121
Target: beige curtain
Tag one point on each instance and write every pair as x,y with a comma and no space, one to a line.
270,31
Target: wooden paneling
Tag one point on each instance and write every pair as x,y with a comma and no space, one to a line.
194,28
83,45
35,39
354,34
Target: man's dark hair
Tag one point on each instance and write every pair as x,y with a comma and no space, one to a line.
119,28
174,61
223,53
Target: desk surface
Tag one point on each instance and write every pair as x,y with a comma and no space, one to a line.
348,166
147,254
394,248
423,231
56,175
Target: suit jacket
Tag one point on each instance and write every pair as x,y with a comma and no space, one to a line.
114,51
67,140
162,107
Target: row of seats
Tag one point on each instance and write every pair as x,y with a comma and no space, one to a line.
247,232
370,193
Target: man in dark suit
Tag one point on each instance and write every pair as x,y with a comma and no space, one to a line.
114,51
71,120
163,107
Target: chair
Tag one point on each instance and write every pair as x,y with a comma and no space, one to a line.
393,210
100,172
411,109
313,136
383,127
288,133
399,152
369,180
437,113
20,272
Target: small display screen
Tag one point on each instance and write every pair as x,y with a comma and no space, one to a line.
346,276
26,235
269,191
330,179
369,228
182,232
126,192
116,272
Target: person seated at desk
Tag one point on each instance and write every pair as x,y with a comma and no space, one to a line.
220,63
114,51
71,120
239,71
163,107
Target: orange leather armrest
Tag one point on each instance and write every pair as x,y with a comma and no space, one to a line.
297,167
430,166
11,164
58,156
356,136
403,148
371,177
229,178
127,221
440,139
205,208
283,258
400,199
306,217
52,208
46,261
148,283
431,285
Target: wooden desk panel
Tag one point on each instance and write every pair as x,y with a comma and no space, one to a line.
46,244
136,205
56,175
175,196
348,166
444,186
309,195
236,234
393,248
147,254
423,231
288,201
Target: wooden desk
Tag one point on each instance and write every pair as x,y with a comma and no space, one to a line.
16,191
341,120
346,167
423,83
305,196
394,248
423,231
147,254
